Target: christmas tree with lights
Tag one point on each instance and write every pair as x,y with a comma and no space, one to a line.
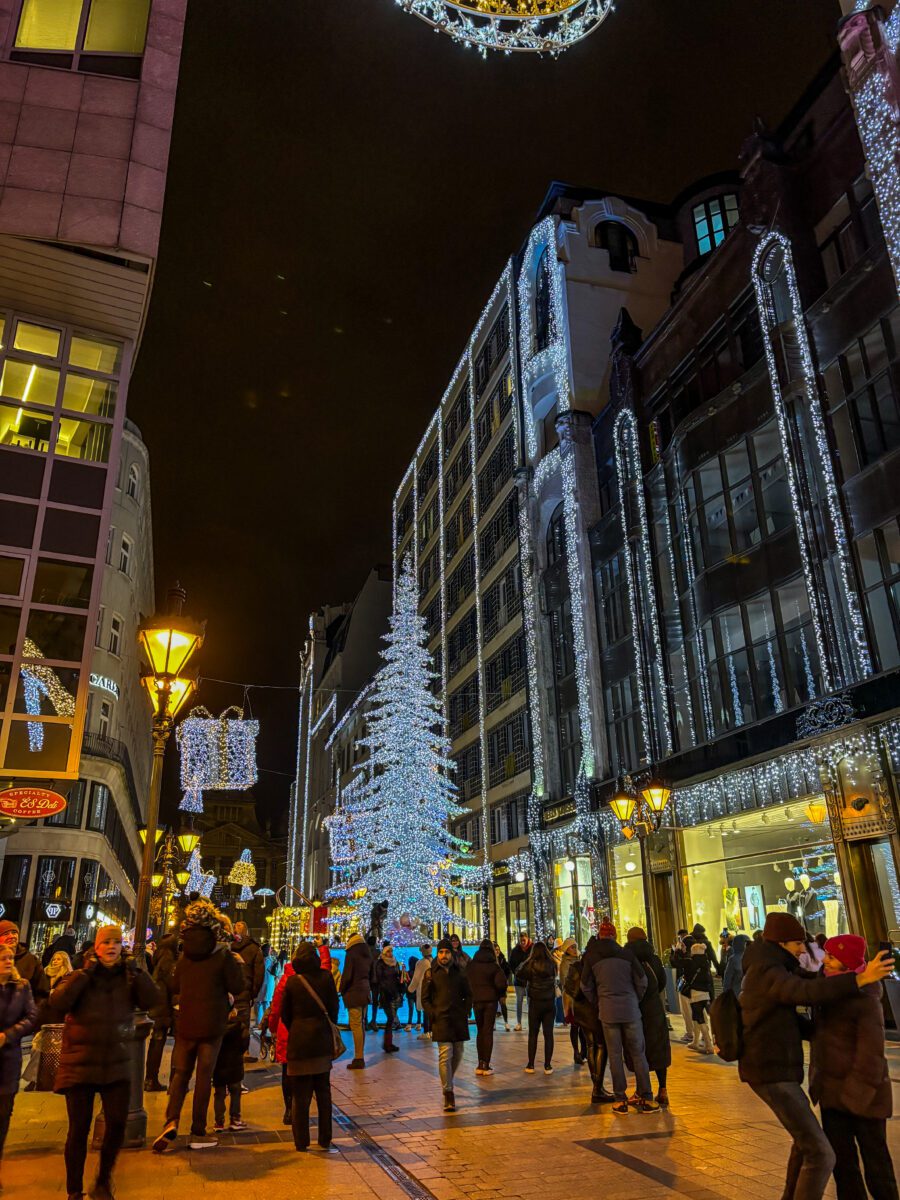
390,835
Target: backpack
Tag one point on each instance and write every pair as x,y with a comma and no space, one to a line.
727,1022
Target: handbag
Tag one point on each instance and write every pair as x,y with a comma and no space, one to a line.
337,1047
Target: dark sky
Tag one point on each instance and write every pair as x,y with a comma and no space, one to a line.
386,173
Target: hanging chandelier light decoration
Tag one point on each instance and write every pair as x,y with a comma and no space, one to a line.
243,875
510,26
217,754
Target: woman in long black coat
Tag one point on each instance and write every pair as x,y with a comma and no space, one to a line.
653,1014
310,1042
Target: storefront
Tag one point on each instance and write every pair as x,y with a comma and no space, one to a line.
512,913
573,896
626,887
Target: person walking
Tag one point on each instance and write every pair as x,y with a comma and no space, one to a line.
517,956
488,984
585,1015
64,944
412,1011
98,1004
310,1003
279,1031
698,987
657,1046
27,964
228,1076
698,933
679,955
568,955
614,980
206,980
446,999
538,975
734,969
771,1059
18,1015
163,1013
501,1003
250,954
355,987
849,1080
421,969
386,976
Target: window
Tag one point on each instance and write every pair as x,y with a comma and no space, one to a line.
105,719
713,219
855,228
556,537
542,323
98,807
98,632
620,243
65,584
508,749
133,486
612,600
116,627
622,724
878,555
125,554
863,391
104,36
109,544
71,815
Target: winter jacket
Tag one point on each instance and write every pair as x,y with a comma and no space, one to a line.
386,981
504,965
446,998
32,972
698,933
422,967
583,1011
517,956
614,979
229,1068
277,1027
773,989
697,977
653,1013
163,973
847,1068
734,968
254,963
643,951
355,978
309,1033
487,982
65,942
206,974
565,962
18,1016
99,1004
538,975
461,959
324,957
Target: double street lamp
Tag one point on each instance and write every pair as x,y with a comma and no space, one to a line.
170,860
640,813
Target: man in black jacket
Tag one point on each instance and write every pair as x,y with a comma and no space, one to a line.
251,956
771,1060
355,987
447,998
27,964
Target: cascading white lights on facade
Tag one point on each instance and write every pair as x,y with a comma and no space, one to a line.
513,26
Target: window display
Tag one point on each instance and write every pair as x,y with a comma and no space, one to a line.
627,888
574,896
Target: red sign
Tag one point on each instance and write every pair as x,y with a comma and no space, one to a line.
30,802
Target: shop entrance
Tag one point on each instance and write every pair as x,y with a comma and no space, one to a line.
875,884
662,909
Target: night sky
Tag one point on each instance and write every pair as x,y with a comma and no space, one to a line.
344,188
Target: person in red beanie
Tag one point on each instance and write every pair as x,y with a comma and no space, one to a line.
848,1078
771,1060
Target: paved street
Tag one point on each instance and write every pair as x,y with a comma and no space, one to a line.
515,1135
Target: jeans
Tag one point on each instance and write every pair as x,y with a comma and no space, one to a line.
540,1016
155,1048
812,1158
233,1091
303,1087
619,1034
412,1009
449,1057
485,1016
501,1004
520,1000
358,1029
7,1100
189,1052
845,1132
80,1109
685,1005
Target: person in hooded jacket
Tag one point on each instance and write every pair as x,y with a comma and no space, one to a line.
98,1003
488,984
279,1030
163,1013
386,985
27,964
308,992
250,954
447,998
771,1060
849,1079
698,987
206,980
698,933
355,986
538,976
657,1046
734,968
18,1015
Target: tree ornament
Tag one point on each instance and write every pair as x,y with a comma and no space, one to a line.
217,754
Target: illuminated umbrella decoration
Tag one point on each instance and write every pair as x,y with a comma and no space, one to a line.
264,893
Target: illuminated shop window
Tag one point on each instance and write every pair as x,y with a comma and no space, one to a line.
103,36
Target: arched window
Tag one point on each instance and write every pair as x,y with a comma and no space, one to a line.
621,244
133,486
542,332
556,536
713,219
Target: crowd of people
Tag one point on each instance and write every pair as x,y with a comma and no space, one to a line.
209,983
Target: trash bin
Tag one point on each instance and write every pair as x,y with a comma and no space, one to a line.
47,1044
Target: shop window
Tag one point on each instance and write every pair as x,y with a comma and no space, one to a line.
878,555
626,887
713,219
863,391
98,807
574,896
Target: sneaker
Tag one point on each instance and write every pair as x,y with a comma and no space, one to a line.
634,1100
506,1027
408,1028
621,1107
548,1070
392,1049
203,1142
358,1064
238,1126
518,1029
219,1127
529,1070
487,1069
645,1106
244,1089
166,1139
688,1037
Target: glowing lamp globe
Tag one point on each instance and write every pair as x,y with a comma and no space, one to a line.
167,695
656,797
157,833
816,812
168,643
183,878
188,840
622,806
157,879
511,26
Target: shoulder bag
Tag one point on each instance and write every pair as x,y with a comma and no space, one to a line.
338,1048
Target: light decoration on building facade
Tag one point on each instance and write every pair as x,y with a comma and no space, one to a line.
217,754
513,26
775,243
312,728
678,625
199,880
38,681
243,875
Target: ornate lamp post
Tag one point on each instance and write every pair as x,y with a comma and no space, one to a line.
170,861
640,814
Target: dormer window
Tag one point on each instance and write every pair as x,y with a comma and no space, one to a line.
713,219
619,242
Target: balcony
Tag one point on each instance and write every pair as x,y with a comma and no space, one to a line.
98,745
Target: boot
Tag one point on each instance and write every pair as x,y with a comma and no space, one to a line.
102,1190
449,1102
601,1096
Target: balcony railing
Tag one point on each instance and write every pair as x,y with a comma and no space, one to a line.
98,745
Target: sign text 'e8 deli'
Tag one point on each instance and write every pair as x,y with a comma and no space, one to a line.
30,803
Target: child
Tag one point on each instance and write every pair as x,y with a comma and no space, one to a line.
228,1075
848,1077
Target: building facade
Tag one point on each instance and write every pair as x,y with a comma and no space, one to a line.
88,99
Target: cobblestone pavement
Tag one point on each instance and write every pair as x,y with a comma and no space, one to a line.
513,1136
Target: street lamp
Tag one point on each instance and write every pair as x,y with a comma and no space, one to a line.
168,643
641,814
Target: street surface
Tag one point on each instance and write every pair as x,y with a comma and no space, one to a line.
514,1137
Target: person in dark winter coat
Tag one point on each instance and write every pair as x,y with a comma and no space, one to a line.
771,1061
585,1015
18,1015
251,956
447,998
98,1003
517,956
734,969
679,955
310,1043
537,975
163,1013
206,980
355,986
27,964
459,955
698,933
65,942
697,985
488,984
657,1046
849,1080
228,1076
614,979
386,985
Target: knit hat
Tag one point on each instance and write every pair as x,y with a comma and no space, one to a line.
849,949
201,914
607,930
636,934
782,927
8,927
445,944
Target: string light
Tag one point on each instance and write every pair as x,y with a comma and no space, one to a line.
199,880
38,681
513,26
243,875
217,754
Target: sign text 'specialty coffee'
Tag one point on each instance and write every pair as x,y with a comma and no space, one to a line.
30,803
